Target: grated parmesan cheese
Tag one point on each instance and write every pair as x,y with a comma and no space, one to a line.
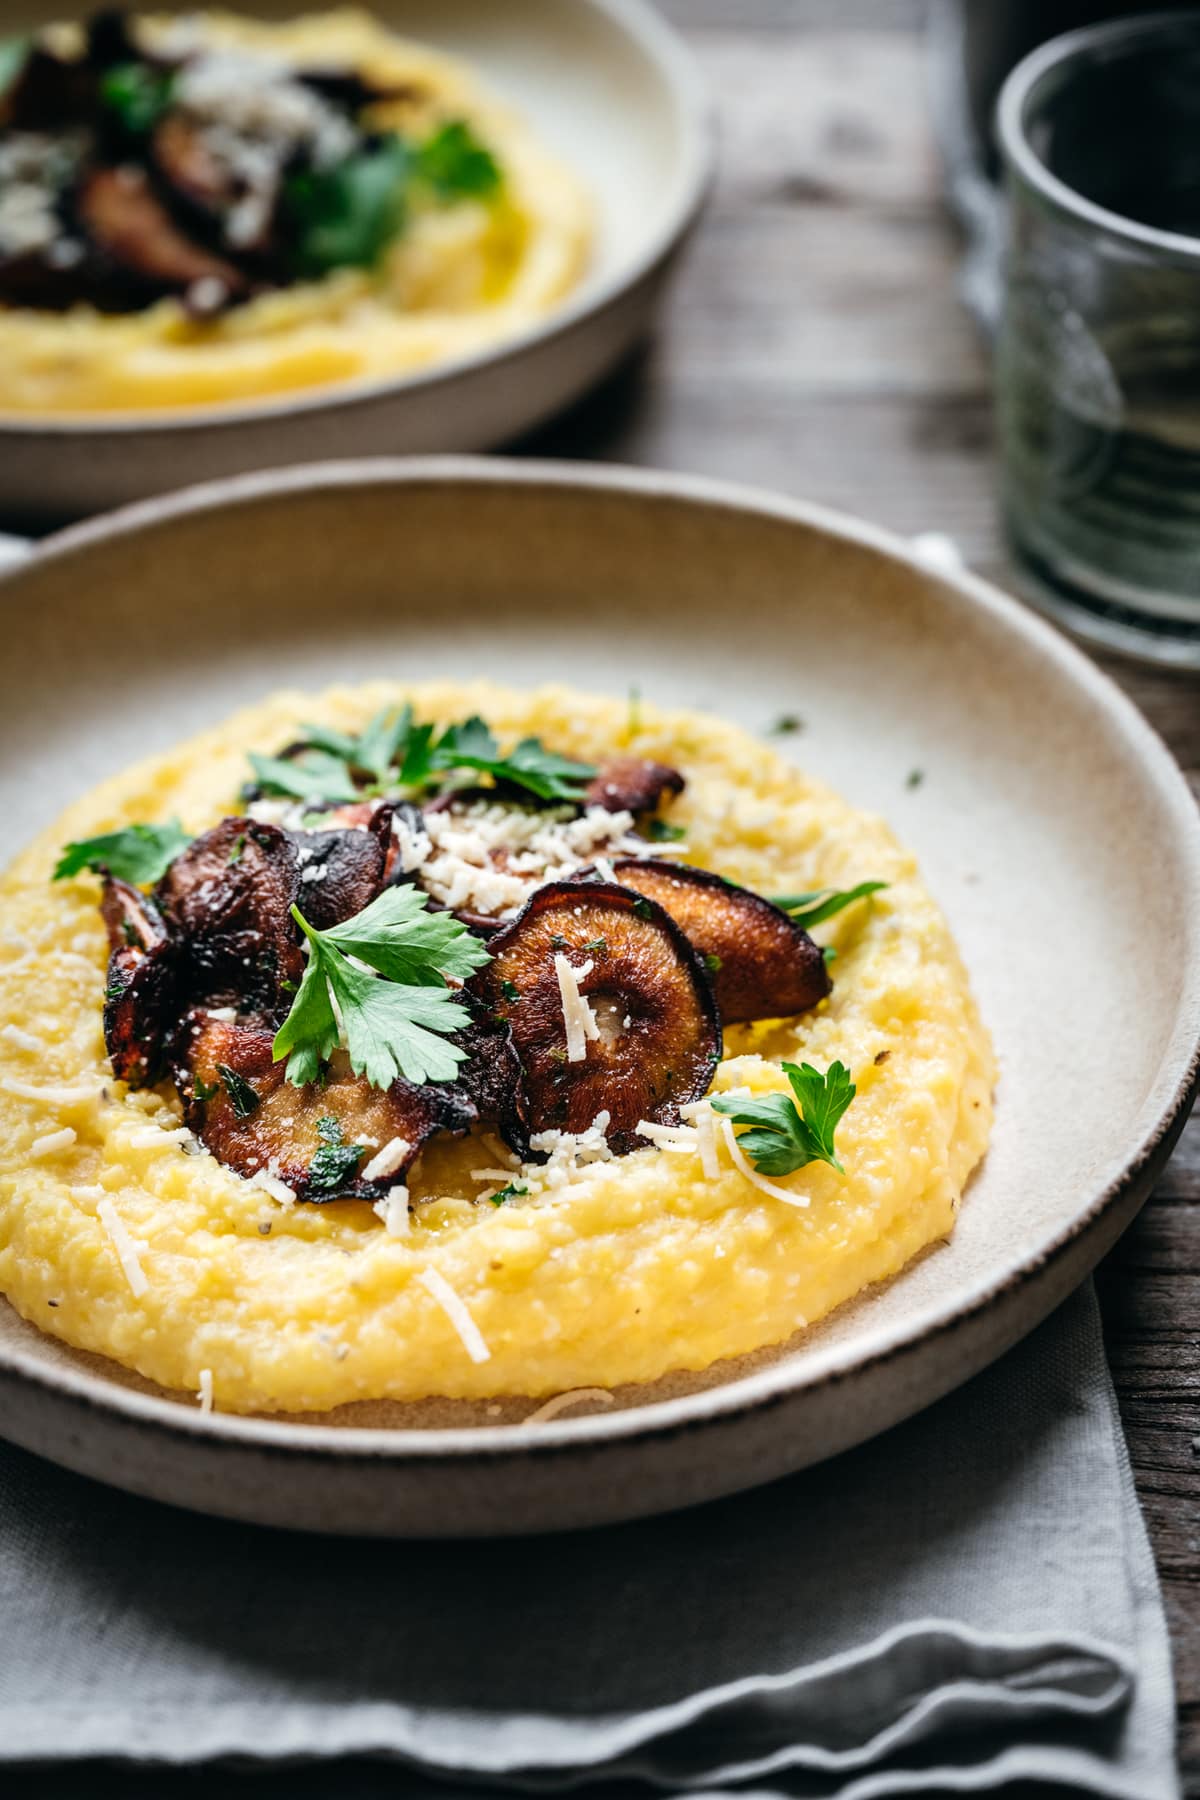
206,1390
559,1403
456,1312
52,1141
123,1244
388,1160
153,1137
393,1209
578,1017
24,1040
271,1184
52,1093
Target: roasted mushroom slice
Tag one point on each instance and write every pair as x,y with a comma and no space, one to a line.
763,965
126,221
631,784
139,994
610,1008
492,1078
229,897
341,872
316,1139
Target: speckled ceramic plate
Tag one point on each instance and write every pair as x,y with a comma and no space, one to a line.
1051,824
607,86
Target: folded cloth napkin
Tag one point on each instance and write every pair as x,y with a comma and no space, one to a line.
966,1603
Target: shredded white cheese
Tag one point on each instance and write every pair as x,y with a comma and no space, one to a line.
388,1160
123,1244
578,1017
153,1137
740,1163
206,1390
271,1184
561,1402
24,1040
683,1139
52,1141
700,1113
456,1312
53,1093
393,1210
223,1015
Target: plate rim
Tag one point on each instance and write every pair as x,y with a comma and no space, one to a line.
695,113
761,1389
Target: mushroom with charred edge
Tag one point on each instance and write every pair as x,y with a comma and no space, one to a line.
763,965
140,991
658,1034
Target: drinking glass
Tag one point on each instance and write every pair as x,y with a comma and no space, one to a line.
1098,355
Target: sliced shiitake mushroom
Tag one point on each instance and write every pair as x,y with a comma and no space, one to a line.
128,223
631,784
492,1078
342,871
240,1105
659,1031
182,158
228,897
763,965
139,995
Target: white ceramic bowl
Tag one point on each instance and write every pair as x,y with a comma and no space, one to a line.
1051,823
609,87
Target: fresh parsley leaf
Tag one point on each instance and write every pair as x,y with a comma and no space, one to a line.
397,936
13,52
529,764
138,854
787,1134
510,1191
812,909
201,1090
316,775
397,1013
242,1097
329,1129
456,165
333,1166
138,93
663,832
346,216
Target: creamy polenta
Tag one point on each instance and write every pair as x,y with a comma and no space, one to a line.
121,1235
457,278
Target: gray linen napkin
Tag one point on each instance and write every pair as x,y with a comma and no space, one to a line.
968,1602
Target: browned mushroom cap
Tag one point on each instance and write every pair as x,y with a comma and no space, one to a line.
127,222
631,784
492,1079
763,965
341,871
48,92
659,1033
182,157
139,994
228,896
241,1106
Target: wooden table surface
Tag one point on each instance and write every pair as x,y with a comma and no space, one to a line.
814,343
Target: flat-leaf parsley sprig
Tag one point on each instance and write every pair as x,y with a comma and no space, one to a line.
394,754
138,854
789,1133
378,984
812,909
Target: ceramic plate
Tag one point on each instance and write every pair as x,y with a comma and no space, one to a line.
1050,822
610,89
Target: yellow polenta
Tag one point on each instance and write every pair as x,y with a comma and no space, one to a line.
458,279
637,1267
